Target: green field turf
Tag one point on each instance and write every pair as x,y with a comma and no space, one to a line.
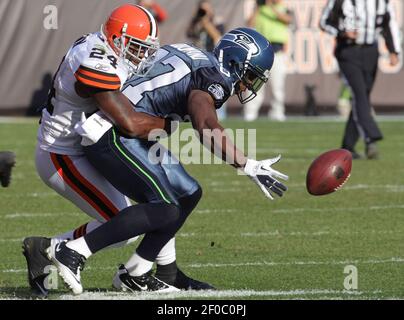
245,245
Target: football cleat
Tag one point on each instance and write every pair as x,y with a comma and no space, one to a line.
7,162
69,264
34,250
146,282
183,282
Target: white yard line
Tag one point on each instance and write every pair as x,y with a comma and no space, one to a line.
32,194
28,215
209,294
11,240
18,215
257,264
295,263
399,187
344,209
237,187
316,233
274,233
18,120
204,211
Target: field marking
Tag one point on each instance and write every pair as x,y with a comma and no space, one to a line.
294,210
255,264
399,187
12,240
277,233
204,211
317,233
389,187
209,294
19,215
19,120
274,233
230,187
220,294
32,194
27,215
295,263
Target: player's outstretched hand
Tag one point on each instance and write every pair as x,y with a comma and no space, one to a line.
265,177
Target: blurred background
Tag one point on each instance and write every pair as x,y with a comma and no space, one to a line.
36,35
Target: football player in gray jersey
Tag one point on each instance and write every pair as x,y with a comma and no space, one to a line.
188,84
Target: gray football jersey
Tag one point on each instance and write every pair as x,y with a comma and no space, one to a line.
179,69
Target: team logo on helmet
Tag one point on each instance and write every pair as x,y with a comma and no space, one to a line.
244,41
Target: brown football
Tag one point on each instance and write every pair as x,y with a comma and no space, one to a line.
328,172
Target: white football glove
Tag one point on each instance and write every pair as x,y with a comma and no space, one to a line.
263,175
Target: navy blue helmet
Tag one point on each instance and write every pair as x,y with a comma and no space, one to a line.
247,57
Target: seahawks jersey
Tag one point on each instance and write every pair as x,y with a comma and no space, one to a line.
179,69
92,62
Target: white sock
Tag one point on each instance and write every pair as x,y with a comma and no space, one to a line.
137,266
80,245
167,253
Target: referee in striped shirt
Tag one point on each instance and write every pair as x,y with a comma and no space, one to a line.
356,24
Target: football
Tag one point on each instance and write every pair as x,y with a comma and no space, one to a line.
329,172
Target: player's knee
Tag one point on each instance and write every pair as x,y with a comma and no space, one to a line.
196,196
171,213
188,203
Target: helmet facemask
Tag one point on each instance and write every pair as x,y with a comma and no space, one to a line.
136,53
253,79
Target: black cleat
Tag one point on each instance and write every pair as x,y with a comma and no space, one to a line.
34,250
184,282
7,162
146,282
69,264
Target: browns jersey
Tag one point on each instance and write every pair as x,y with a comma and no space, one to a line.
92,62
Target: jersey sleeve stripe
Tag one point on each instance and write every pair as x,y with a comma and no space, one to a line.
100,79
97,75
97,83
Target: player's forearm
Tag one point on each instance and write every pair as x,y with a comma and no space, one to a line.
128,121
141,124
215,139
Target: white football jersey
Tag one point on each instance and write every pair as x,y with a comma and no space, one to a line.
92,62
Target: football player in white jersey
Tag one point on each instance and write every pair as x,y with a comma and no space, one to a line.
89,78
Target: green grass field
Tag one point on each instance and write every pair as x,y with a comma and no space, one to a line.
245,245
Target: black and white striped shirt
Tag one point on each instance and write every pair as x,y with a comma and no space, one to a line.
368,18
